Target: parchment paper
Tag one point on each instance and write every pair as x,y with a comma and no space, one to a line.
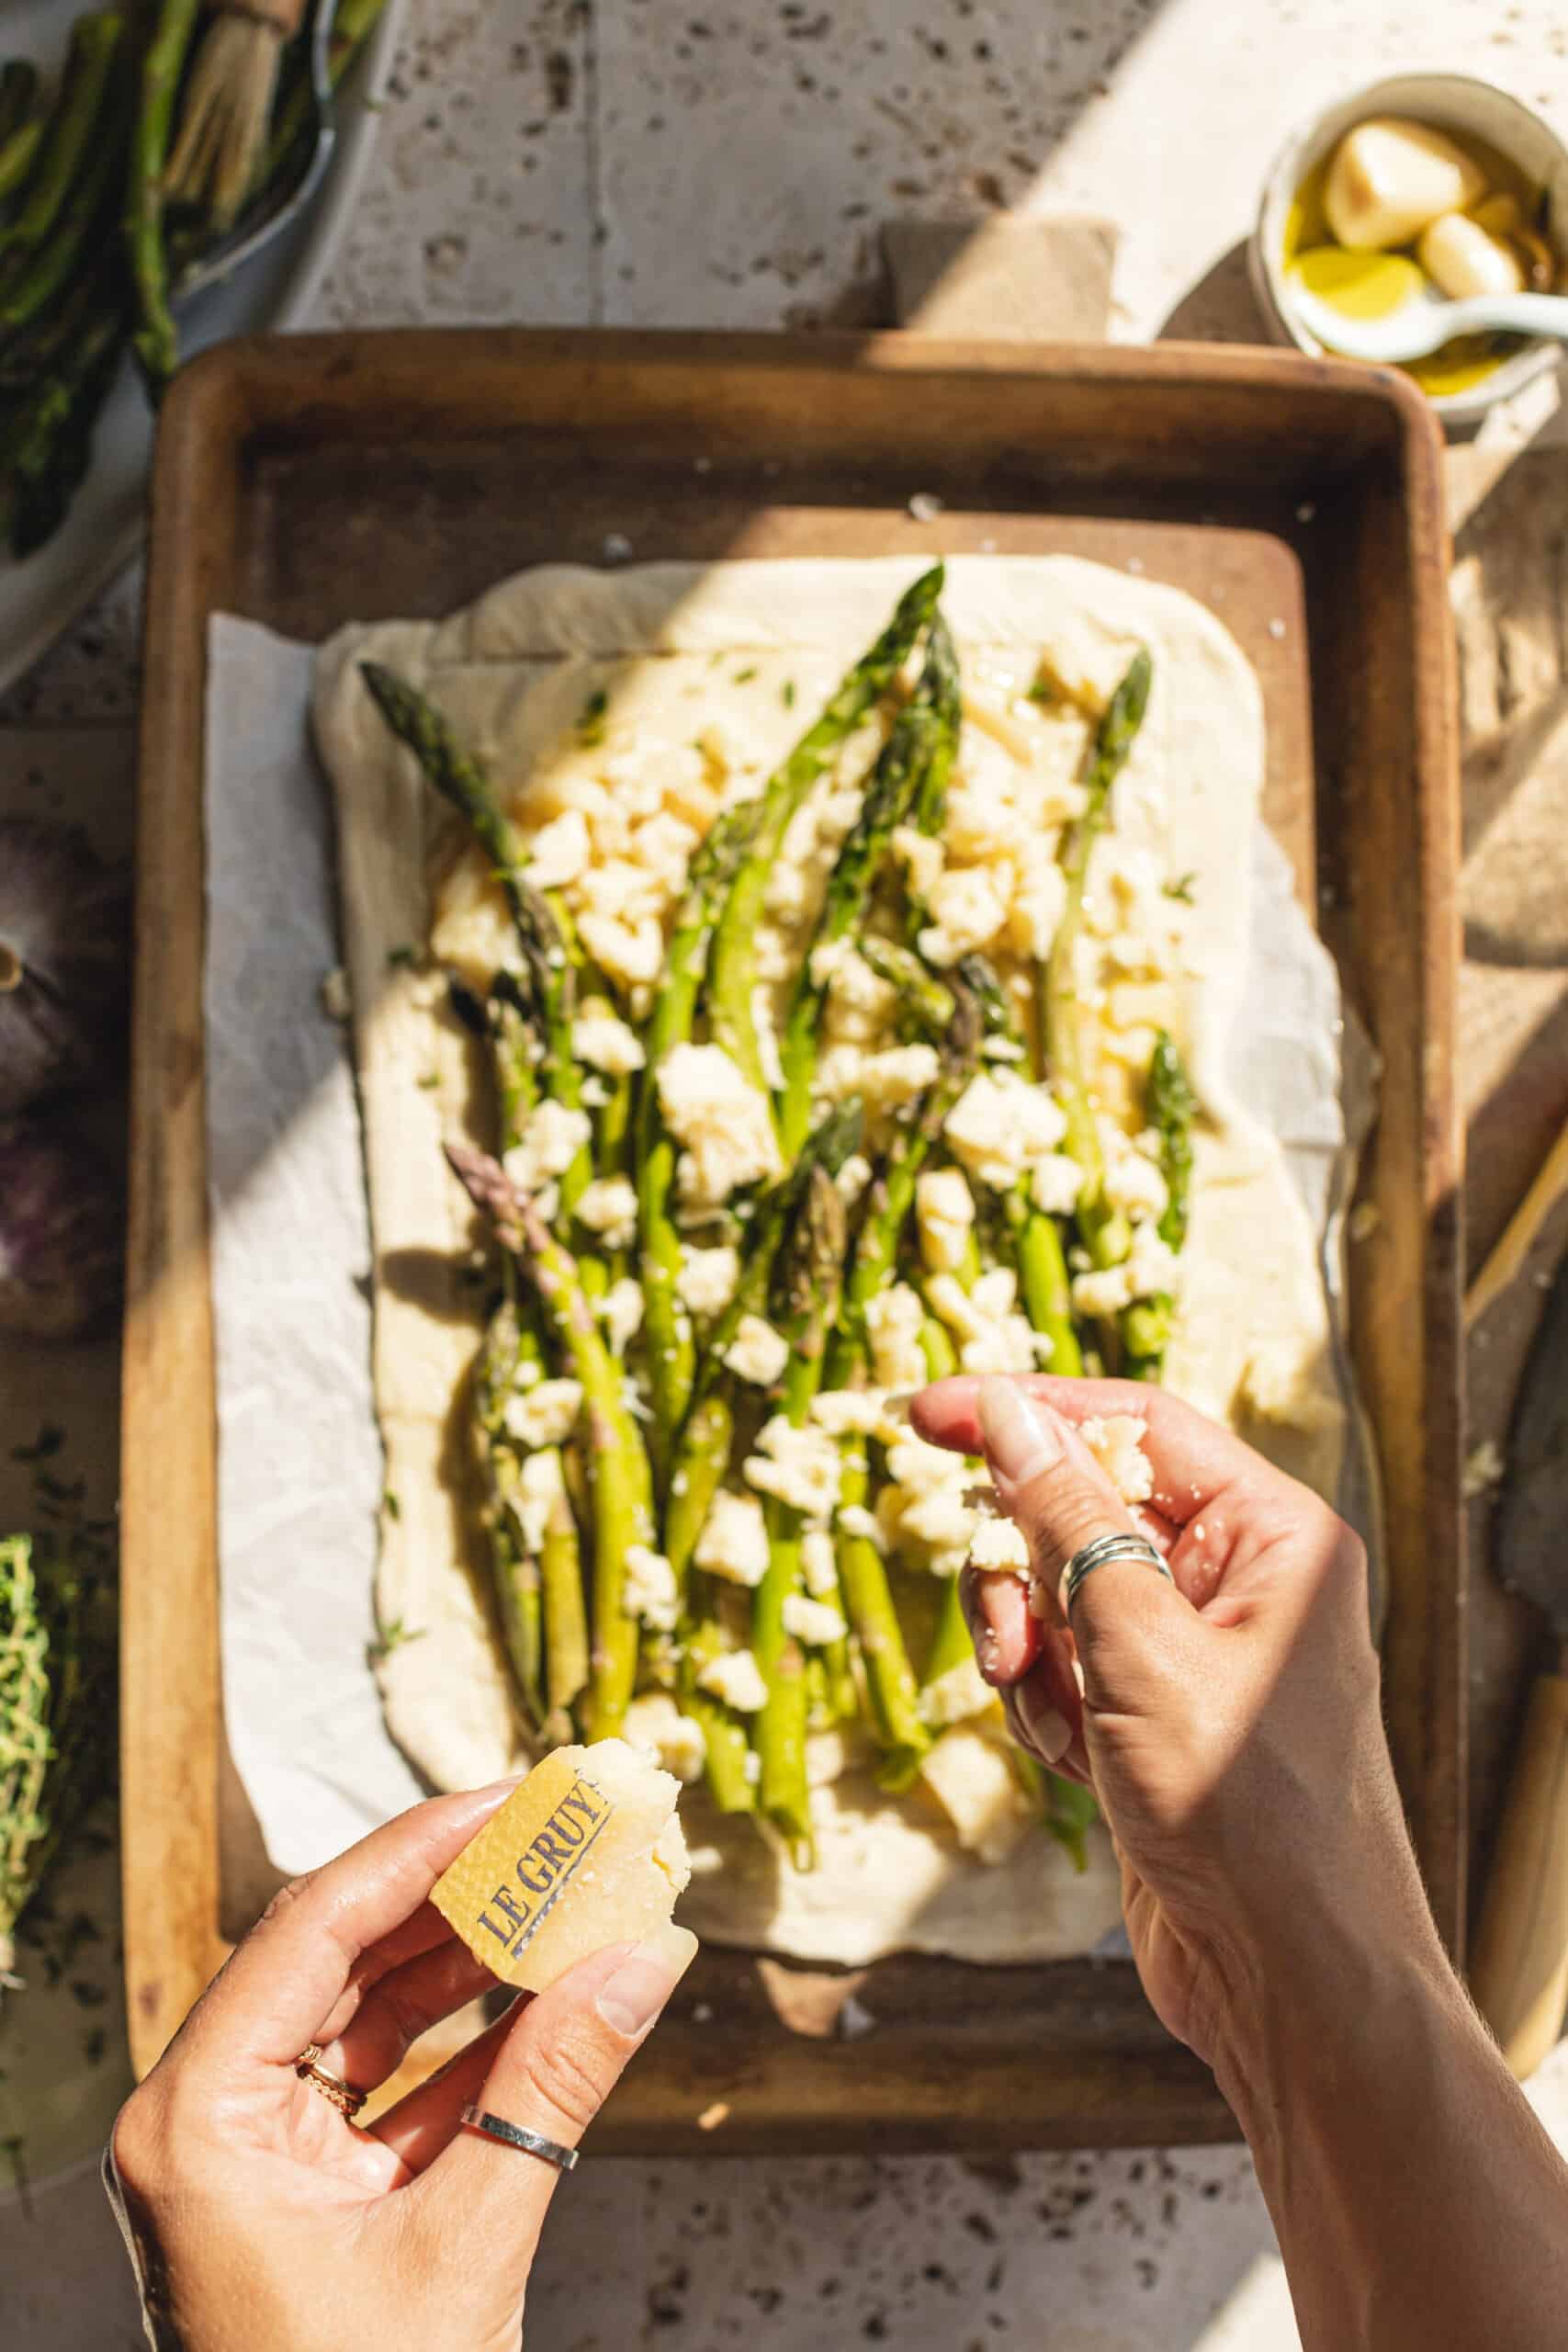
299,1459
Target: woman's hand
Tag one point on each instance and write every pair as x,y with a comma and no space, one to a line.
1229,1720
262,2217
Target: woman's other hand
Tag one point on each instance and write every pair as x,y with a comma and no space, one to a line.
1229,1720
262,2217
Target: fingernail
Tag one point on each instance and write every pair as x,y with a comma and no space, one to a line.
496,1788
1050,1734
1020,1439
633,1997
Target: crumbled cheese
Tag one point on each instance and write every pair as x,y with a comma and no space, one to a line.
1001,1125
842,1411
602,1038
819,1564
974,1783
1133,1183
1484,1469
629,952
924,1508
620,1311
540,1486
995,1292
893,1320
860,1002
758,1352
545,1415
852,1179
767,1038
922,859
854,1519
884,1079
608,1207
1039,902
724,1124
1153,1263
736,1678
991,1338
472,934
708,1278
560,851
956,1695
336,1001
734,1541
1103,1291
945,1212
551,1141
656,1725
998,1546
812,1621
648,1591
662,846
968,907
800,1467
1117,1444
1056,1182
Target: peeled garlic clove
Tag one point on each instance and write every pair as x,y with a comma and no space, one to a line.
1389,177
1500,215
1459,257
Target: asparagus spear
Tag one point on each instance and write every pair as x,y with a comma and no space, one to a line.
806,1287
19,95
95,44
621,1482
1169,1107
1102,1229
671,1357
923,741
30,291
21,126
702,1455
514,1570
540,1592
727,1742
1043,1284
890,1680
732,970
157,346
48,449
545,931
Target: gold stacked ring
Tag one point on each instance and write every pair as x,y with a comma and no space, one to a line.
340,2094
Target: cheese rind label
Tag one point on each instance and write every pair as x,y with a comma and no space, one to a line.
567,1865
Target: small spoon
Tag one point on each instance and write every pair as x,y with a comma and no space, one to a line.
1425,320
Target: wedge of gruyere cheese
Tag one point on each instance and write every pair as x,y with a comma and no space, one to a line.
585,1852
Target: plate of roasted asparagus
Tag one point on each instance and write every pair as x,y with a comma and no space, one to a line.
140,145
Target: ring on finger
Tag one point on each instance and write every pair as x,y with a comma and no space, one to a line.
1121,1545
346,2096
517,2135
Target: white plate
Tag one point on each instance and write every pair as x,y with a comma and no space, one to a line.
41,596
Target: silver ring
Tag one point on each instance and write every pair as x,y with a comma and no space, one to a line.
517,2135
1123,1545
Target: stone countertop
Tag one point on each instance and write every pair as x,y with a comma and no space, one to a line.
559,161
